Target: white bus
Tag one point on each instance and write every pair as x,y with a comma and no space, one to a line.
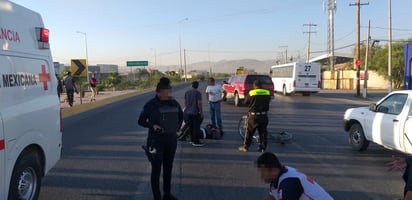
296,78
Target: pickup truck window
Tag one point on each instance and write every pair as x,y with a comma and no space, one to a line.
240,79
230,79
393,104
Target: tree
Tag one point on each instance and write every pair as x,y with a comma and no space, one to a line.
113,79
378,61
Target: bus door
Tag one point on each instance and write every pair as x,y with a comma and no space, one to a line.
307,75
2,161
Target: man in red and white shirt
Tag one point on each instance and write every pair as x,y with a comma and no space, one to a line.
286,183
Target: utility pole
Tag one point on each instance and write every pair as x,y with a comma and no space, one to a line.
184,56
389,47
286,52
180,43
358,5
366,76
309,32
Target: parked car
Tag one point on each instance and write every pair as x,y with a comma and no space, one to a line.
238,86
387,123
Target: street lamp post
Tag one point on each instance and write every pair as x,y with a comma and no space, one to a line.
87,53
87,62
180,44
155,55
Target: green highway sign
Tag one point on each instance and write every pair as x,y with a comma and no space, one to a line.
137,63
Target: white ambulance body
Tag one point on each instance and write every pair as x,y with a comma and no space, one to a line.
30,117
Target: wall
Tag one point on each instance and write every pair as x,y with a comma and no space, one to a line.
347,80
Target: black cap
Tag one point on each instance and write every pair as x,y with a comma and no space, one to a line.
257,83
195,84
164,83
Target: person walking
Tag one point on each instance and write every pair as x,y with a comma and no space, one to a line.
194,113
70,86
258,100
59,86
286,182
215,94
163,117
93,89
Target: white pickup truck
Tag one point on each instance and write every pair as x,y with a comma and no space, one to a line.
387,122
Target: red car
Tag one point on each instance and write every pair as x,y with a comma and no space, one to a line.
238,86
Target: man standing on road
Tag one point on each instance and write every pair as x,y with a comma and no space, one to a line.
258,100
214,95
287,183
70,87
194,113
163,117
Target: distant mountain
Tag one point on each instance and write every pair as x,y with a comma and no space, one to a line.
226,66
222,66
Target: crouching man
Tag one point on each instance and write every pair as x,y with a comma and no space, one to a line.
286,183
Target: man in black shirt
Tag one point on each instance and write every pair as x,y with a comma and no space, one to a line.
258,100
163,117
194,113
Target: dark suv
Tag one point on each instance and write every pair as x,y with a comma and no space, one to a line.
238,86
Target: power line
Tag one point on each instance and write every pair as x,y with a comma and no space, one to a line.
385,28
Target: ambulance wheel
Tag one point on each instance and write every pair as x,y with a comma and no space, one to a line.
357,138
26,178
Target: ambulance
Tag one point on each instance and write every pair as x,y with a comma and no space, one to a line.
30,116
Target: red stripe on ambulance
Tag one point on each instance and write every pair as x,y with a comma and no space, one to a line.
2,145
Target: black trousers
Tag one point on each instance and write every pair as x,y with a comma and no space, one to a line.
164,156
194,120
70,94
259,122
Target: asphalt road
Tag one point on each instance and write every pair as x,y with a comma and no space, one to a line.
102,158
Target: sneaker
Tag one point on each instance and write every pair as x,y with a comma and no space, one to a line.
197,144
243,148
262,150
169,197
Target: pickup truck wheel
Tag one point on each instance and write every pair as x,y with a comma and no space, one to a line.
357,138
237,100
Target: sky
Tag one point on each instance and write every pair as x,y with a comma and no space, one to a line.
118,31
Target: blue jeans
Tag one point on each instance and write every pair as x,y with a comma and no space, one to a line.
215,114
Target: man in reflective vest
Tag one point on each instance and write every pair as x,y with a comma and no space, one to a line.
287,183
258,100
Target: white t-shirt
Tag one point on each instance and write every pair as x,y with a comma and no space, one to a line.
215,92
311,190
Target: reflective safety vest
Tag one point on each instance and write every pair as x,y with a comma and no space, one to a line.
311,190
259,91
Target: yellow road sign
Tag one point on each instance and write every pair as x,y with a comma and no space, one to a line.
78,67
